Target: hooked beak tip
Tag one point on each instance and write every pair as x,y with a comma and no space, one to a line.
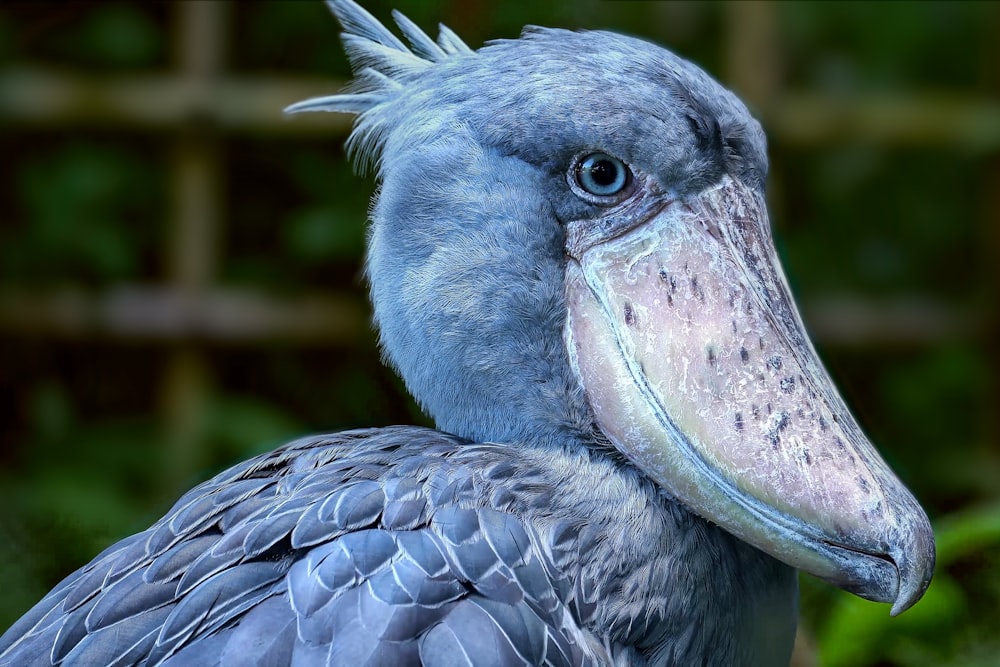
915,566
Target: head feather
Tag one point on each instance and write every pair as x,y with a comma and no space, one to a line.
383,65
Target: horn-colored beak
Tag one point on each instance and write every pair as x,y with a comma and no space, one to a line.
683,333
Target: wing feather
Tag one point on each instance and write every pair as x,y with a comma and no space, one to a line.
371,546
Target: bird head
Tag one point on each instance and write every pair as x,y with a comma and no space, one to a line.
570,244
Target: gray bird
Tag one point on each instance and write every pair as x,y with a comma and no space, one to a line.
572,269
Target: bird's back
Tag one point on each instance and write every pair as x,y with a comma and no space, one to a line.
376,546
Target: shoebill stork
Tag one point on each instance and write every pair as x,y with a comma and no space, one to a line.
637,446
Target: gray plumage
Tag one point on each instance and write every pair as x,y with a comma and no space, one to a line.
518,533
389,546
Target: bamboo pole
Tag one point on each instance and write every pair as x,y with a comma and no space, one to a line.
194,234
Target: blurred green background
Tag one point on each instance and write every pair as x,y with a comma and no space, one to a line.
180,266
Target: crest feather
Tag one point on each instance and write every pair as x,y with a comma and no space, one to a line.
420,42
358,21
450,42
383,64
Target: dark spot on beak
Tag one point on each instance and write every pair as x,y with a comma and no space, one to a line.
744,355
787,385
807,457
863,484
696,289
822,424
774,363
738,421
710,355
668,280
780,425
629,315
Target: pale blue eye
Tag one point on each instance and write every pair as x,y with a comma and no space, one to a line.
602,174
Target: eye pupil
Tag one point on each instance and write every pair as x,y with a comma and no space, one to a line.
604,172
601,174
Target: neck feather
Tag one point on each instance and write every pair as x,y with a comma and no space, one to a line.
466,268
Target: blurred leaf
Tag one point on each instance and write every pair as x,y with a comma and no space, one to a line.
6,37
335,229
971,530
244,426
859,632
118,34
82,203
289,35
89,509
320,234
847,45
327,177
930,402
51,410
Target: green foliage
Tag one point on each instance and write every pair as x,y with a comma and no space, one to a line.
949,387
874,219
100,36
86,212
881,47
240,426
6,37
942,629
327,229
79,488
118,34
292,36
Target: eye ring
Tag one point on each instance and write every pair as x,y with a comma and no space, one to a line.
599,178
